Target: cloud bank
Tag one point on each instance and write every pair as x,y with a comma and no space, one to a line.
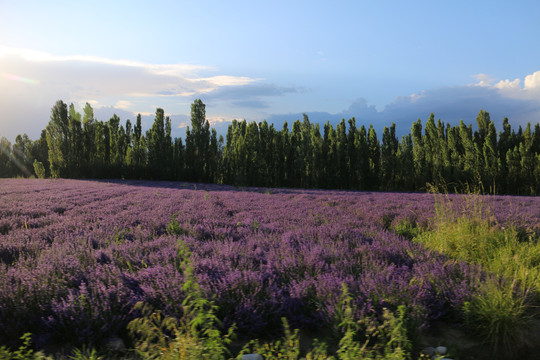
503,98
31,82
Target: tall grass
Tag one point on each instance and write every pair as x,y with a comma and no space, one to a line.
467,231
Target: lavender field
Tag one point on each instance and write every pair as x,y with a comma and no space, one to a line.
76,256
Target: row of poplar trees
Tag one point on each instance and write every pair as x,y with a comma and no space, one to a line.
346,156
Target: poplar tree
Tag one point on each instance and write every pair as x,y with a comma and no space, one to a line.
361,146
75,157
252,154
156,146
316,160
296,161
352,154
58,140
341,152
89,139
198,142
21,156
374,150
419,155
40,152
389,150
306,152
469,159
5,158
137,158
491,158
114,138
404,177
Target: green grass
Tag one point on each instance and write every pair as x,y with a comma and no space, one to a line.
500,315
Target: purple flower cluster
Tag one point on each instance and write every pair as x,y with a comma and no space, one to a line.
75,256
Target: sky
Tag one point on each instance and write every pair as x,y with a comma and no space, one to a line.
377,61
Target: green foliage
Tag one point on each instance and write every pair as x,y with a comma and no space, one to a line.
408,229
24,352
383,339
174,228
196,335
471,233
85,354
500,314
286,348
153,332
256,154
39,169
368,338
58,140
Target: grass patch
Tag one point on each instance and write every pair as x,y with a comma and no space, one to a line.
500,315
502,311
471,233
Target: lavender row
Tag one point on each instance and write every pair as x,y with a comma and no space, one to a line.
75,256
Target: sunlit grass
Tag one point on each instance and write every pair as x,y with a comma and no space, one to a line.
501,313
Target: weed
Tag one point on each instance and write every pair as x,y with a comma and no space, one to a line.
195,336
255,225
286,348
407,228
174,228
24,352
386,339
85,354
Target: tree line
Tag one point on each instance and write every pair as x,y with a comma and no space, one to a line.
346,156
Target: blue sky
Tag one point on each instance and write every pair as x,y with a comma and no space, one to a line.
379,61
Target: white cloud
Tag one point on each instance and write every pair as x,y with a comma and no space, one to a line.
226,80
84,77
532,82
32,81
416,97
124,104
513,89
483,80
507,84
214,120
179,70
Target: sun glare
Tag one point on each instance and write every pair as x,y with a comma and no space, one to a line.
20,79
